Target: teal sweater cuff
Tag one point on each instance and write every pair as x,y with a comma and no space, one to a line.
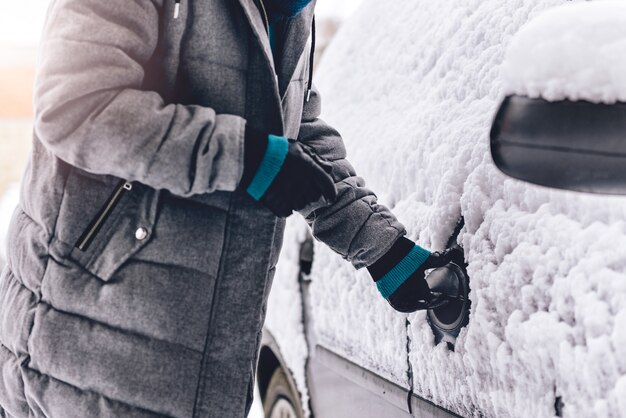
275,154
393,279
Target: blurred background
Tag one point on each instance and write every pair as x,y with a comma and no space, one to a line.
21,22
20,26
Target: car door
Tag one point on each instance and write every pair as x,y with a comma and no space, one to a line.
545,265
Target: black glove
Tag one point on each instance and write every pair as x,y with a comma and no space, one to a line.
400,275
283,174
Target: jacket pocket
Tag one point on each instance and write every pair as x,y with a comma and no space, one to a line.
85,240
109,221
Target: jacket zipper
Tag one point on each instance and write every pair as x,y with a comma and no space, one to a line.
95,225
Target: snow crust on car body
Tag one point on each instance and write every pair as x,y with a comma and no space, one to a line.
413,87
576,51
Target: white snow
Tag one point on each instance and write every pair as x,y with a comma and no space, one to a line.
8,202
352,319
336,9
575,51
257,407
413,87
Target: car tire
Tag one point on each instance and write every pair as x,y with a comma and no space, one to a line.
281,401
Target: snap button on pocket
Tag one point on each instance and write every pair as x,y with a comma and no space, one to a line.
141,234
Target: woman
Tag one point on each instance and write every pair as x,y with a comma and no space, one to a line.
153,205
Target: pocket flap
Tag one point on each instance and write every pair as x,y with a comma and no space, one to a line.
128,229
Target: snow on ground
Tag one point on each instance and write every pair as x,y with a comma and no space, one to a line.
8,202
413,87
576,51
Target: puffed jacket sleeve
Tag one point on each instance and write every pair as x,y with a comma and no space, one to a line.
91,111
355,226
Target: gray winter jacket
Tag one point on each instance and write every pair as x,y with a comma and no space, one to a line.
138,274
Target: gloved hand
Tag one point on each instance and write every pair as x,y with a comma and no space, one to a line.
400,275
284,174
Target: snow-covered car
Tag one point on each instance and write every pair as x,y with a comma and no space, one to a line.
413,87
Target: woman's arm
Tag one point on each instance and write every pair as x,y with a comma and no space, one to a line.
355,225
90,110
364,232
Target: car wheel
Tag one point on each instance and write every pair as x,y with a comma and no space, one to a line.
280,400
